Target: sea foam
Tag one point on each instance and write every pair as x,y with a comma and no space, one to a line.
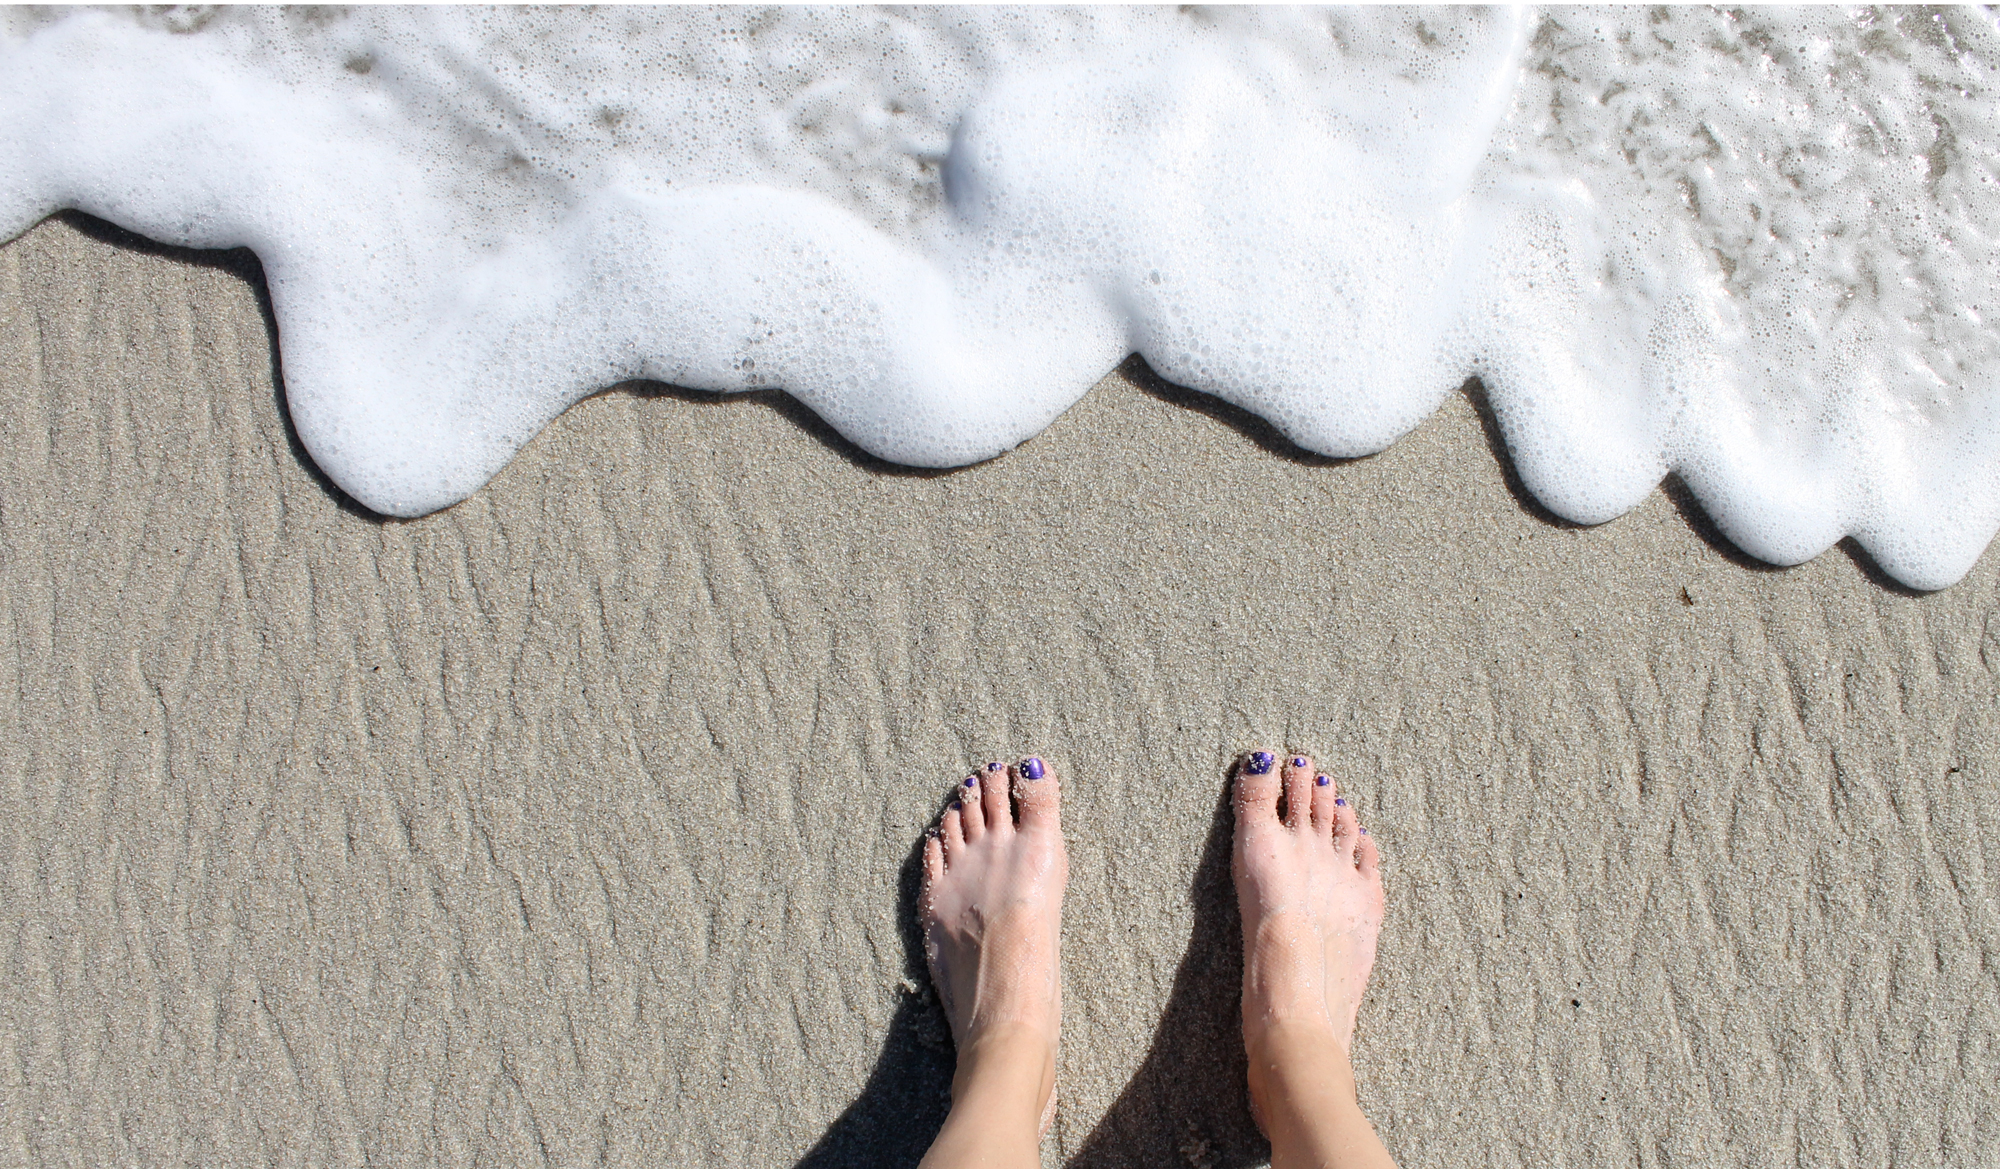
1752,248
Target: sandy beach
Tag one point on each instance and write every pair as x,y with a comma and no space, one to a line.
576,824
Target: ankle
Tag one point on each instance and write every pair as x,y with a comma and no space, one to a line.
1290,1037
1011,1066
1005,1074
1296,1066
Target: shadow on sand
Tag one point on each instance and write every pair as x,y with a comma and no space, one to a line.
243,264
1188,1104
902,1105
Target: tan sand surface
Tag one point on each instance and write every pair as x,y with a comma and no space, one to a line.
574,825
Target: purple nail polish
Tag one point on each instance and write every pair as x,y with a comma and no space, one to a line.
1322,781
958,805
971,780
1031,768
1364,831
993,767
1260,762
1341,802
1298,761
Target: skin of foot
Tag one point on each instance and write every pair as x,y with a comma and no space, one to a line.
991,910
1309,887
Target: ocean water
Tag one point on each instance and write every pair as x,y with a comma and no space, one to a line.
1754,248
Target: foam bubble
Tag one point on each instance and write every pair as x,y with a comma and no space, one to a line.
1752,249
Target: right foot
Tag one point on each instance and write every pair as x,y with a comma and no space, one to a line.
1309,885
992,911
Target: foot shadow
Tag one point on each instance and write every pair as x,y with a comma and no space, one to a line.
903,1104
1189,1103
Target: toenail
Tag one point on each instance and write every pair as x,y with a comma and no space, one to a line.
1323,781
1298,761
1340,803
1032,768
993,767
1260,762
970,780
1364,831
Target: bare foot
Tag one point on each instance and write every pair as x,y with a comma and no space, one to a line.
992,917
1309,886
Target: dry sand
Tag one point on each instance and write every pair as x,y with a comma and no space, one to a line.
575,824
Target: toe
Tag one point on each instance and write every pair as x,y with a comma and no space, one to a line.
933,863
1366,857
1345,826
1256,788
1325,792
952,830
972,819
1298,792
994,799
1037,796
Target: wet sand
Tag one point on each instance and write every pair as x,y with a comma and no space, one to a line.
576,824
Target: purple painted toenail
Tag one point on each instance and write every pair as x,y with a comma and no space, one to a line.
1298,761
1031,768
970,780
993,767
1364,832
1322,781
1260,762
1340,803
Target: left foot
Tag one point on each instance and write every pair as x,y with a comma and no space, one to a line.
992,912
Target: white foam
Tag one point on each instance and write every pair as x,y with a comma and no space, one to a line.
1756,250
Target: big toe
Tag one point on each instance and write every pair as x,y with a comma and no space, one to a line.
1037,796
1257,787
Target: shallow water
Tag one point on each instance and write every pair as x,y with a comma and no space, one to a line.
1751,248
